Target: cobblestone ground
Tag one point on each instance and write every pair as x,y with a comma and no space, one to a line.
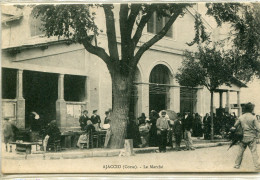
214,159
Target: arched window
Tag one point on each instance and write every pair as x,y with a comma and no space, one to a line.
159,97
36,26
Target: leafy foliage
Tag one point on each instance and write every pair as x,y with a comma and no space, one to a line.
244,19
74,22
191,73
209,67
224,12
247,43
201,35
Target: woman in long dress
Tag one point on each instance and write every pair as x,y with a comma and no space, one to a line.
153,140
84,138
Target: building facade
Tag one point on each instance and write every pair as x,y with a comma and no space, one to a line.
59,80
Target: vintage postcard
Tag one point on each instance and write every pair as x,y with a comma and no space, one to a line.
130,87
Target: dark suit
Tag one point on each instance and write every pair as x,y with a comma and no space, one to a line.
95,119
177,130
187,124
107,120
83,121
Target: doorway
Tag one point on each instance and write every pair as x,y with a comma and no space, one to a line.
40,94
159,88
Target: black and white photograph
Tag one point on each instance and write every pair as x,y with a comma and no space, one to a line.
147,87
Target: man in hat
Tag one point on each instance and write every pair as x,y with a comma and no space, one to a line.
8,134
83,119
250,127
107,120
187,125
95,119
162,127
177,130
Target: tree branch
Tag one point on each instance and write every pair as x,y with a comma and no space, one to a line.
142,24
135,9
111,32
100,52
124,31
207,86
157,37
126,28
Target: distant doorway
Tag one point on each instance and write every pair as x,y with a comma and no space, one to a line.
40,94
188,100
159,88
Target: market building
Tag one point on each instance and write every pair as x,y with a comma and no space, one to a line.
59,80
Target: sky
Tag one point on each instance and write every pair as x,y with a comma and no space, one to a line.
252,94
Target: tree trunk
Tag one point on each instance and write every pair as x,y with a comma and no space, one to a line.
121,86
211,114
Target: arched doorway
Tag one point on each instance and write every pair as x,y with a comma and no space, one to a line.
160,80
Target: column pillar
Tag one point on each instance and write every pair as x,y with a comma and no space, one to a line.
87,91
61,109
200,106
221,100
61,87
145,99
20,106
175,99
238,103
227,102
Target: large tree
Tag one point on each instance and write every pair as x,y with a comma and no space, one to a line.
77,23
217,63
211,67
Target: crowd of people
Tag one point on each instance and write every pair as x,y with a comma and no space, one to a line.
37,131
90,125
94,119
157,130
153,131
222,122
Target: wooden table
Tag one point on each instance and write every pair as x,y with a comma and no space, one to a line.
25,146
69,139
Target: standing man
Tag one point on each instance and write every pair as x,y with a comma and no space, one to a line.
162,127
153,139
187,123
8,134
177,130
107,120
95,119
83,119
250,128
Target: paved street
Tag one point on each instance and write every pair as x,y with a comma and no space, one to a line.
213,159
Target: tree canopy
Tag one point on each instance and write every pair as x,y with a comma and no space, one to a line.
244,21
76,22
210,66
